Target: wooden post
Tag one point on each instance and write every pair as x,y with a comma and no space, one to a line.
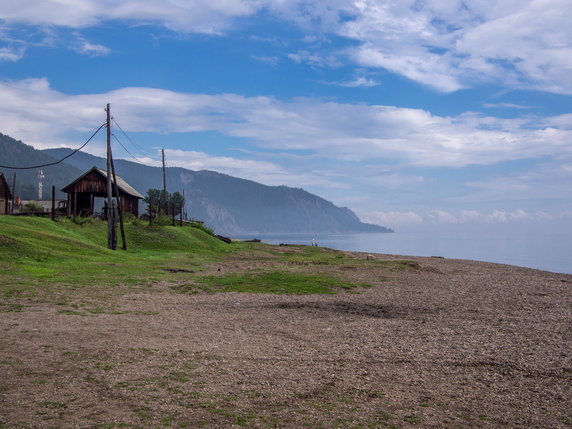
119,203
164,182
13,192
173,210
74,204
150,210
53,202
111,221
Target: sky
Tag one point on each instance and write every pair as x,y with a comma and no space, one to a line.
415,114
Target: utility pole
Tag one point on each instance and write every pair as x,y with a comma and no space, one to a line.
13,192
53,202
111,221
119,203
164,181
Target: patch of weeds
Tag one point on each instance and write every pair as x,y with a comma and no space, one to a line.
278,282
253,394
72,313
168,419
106,366
399,265
11,308
482,417
567,421
53,405
11,361
346,400
148,350
374,393
127,385
144,413
414,419
382,415
113,425
179,376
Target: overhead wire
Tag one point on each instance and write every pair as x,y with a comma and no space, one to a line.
135,145
126,150
55,162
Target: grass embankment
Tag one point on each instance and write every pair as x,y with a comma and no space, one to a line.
46,260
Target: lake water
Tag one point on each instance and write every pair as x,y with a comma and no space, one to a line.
550,251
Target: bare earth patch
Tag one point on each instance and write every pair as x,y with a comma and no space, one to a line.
434,343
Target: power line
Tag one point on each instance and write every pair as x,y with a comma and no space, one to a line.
133,156
138,147
56,162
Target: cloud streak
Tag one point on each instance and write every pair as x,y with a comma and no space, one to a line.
33,111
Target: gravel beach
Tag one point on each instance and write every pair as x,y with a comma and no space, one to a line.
442,343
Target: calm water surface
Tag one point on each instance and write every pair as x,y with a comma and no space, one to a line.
550,251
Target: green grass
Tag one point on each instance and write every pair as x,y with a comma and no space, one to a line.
68,263
36,250
277,282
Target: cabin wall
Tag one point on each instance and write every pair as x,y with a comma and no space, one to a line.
4,198
130,205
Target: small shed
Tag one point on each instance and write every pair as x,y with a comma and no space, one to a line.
5,195
93,184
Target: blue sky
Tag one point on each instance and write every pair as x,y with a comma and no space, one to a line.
415,114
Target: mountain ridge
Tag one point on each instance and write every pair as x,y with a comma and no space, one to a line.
230,205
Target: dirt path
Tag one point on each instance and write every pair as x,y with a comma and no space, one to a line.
443,343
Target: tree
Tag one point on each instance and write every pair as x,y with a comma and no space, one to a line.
153,200
177,201
155,197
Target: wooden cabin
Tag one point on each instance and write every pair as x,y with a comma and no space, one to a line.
5,195
93,184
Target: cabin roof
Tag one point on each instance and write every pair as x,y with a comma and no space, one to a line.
121,184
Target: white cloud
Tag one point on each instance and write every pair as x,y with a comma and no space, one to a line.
200,16
271,60
314,58
85,47
447,45
33,111
506,106
261,171
393,219
11,54
360,81
495,216
411,220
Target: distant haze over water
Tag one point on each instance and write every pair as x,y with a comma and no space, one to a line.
544,250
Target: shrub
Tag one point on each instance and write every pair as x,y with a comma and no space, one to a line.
32,207
203,227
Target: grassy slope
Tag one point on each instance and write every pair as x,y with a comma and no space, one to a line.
47,260
38,255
